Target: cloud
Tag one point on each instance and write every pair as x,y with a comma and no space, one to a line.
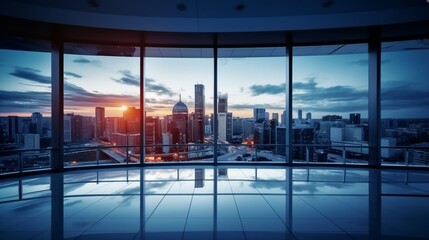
158,89
31,75
82,60
251,106
128,79
404,97
15,101
72,74
309,85
257,90
310,91
77,96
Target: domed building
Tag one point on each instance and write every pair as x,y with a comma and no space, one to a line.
179,128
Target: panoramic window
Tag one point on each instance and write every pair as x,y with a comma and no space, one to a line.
330,104
178,104
251,102
101,105
25,110
404,102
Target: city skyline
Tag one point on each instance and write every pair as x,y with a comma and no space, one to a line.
319,87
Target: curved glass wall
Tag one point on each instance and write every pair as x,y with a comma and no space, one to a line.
404,103
25,109
101,105
330,104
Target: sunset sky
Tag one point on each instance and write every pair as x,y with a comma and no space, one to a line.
327,84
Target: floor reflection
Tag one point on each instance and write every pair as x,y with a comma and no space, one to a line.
217,203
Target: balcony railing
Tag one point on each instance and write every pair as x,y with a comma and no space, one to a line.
18,161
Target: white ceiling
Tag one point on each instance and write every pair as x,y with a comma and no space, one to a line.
218,15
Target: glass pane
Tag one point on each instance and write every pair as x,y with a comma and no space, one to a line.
178,100
25,110
330,104
404,103
101,105
251,100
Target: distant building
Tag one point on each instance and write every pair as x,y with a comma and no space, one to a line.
198,118
167,140
299,114
283,117
332,118
131,117
275,117
99,122
258,114
225,126
68,128
303,135
153,135
179,124
14,129
281,140
248,126
308,116
354,118
222,105
37,123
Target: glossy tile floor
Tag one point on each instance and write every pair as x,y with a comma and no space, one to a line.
217,203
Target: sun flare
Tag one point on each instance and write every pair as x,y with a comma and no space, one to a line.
123,107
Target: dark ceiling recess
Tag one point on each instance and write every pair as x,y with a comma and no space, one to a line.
239,7
93,3
181,7
328,3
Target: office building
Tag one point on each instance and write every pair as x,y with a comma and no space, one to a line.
258,114
99,122
223,103
225,126
179,123
198,118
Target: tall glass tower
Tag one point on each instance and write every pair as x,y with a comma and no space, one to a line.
198,136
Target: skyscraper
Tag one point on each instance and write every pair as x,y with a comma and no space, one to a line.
225,126
179,128
198,131
299,114
276,118
99,122
258,114
36,122
223,103
13,129
354,118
